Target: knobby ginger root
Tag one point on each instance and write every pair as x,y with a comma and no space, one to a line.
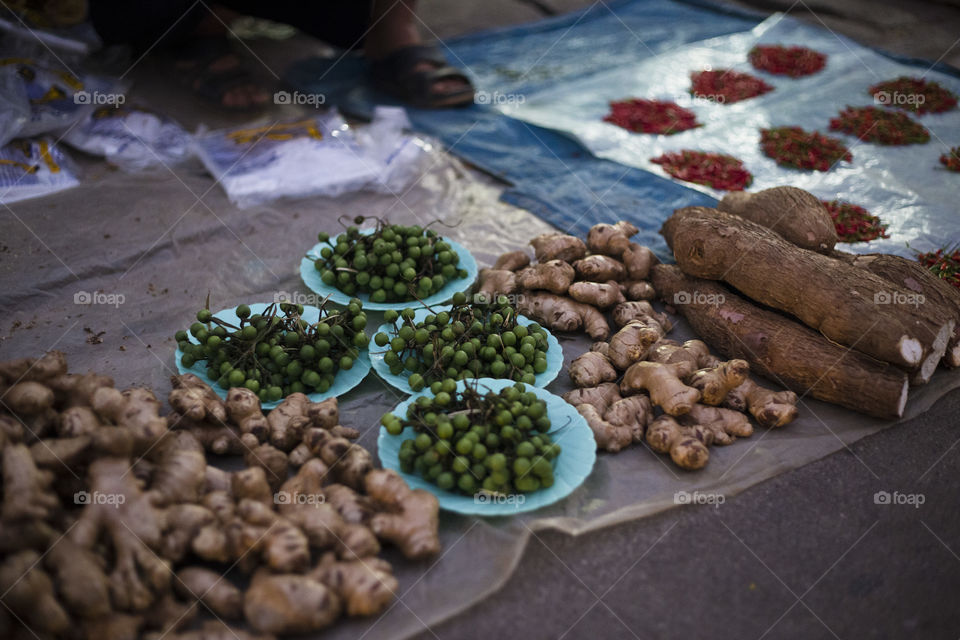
289,603
684,444
716,382
638,290
409,516
243,407
558,246
554,276
638,260
769,408
663,383
632,342
600,397
210,589
193,398
494,282
610,239
564,314
512,261
640,310
598,268
591,368
365,586
602,296
619,426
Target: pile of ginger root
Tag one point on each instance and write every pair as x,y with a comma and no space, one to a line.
573,283
114,525
636,385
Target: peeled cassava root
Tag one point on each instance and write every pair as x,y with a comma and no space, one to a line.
114,526
784,350
848,305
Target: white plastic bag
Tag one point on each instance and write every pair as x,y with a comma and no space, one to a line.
316,155
33,168
400,158
132,138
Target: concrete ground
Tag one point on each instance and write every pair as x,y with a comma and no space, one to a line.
809,554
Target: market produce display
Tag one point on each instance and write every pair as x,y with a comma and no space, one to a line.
475,338
794,61
871,124
116,525
389,263
474,439
276,349
488,447
854,223
683,381
795,148
651,116
726,86
716,170
913,94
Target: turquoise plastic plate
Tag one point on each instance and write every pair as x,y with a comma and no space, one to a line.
554,354
572,466
343,382
311,278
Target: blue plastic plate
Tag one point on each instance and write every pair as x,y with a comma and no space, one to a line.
342,382
554,354
571,467
311,278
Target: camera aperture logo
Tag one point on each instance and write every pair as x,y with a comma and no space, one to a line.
314,100
490,497
699,497
86,497
899,298
698,297
898,98
285,497
99,298
99,99
899,499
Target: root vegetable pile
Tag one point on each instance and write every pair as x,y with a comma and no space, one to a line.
854,223
475,440
716,170
913,324
951,159
871,124
276,353
726,86
113,525
795,62
651,116
797,215
478,340
699,395
798,149
393,263
573,282
913,94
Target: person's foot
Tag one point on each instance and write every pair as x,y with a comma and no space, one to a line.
216,74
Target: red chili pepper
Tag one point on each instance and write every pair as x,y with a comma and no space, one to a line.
798,149
787,61
715,170
726,86
951,160
913,94
854,223
871,124
651,116
944,263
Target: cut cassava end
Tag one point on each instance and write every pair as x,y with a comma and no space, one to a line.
784,350
797,215
913,276
848,305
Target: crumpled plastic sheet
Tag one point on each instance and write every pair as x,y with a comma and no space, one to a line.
34,168
152,240
906,186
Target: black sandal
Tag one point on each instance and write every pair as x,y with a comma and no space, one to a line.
397,75
193,64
